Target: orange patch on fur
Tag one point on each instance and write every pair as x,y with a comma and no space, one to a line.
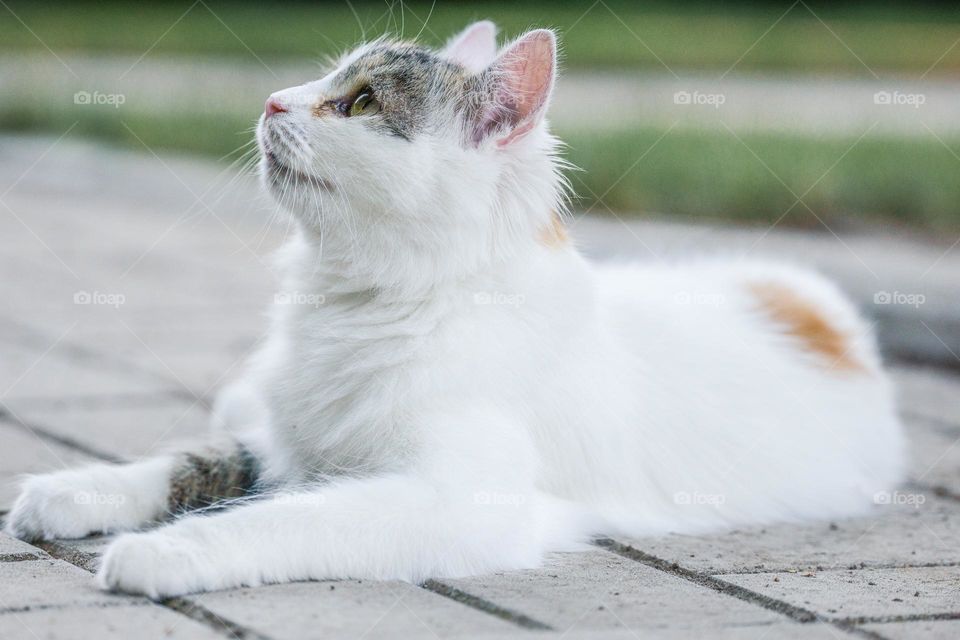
555,233
802,320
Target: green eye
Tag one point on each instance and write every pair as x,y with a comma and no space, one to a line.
365,104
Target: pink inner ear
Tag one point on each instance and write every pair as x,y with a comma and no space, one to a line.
476,47
527,71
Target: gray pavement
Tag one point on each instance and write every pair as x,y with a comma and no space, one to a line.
134,284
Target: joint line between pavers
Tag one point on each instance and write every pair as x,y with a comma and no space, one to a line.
201,614
910,617
82,559
481,604
71,605
857,631
64,441
22,557
180,606
942,492
798,614
854,567
135,400
118,363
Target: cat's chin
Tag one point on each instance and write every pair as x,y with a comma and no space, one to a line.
282,177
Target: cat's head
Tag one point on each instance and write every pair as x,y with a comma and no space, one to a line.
426,153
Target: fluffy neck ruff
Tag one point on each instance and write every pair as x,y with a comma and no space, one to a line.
478,222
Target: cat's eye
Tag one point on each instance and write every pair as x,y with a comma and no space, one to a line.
366,104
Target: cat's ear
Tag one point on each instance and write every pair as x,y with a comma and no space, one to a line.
475,47
518,86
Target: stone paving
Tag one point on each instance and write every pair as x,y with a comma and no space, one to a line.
133,286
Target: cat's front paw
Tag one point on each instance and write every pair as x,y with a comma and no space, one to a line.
157,564
56,506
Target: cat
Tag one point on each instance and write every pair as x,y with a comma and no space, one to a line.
449,388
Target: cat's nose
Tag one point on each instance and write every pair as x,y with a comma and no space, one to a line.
273,106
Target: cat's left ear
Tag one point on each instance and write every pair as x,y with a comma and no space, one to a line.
475,47
516,88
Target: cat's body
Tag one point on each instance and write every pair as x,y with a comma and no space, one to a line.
637,389
450,388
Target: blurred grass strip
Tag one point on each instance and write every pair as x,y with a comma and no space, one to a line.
910,37
705,174
757,177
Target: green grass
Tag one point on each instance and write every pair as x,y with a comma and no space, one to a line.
704,174
758,177
622,34
699,174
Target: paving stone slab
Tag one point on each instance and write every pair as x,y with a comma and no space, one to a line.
929,392
194,289
181,299
351,609
194,364
13,550
82,552
181,243
934,453
49,583
142,229
175,345
894,535
94,545
124,431
22,452
918,630
598,590
48,370
196,348
772,631
119,622
164,325
329,609
862,593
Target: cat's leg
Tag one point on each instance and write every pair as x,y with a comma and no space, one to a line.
381,528
105,498
473,509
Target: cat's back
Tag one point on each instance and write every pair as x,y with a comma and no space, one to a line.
780,314
755,369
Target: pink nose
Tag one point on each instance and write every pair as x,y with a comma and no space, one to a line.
273,106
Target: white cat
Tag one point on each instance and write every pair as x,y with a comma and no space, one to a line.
452,389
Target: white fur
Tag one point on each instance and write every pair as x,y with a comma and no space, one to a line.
99,498
467,398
